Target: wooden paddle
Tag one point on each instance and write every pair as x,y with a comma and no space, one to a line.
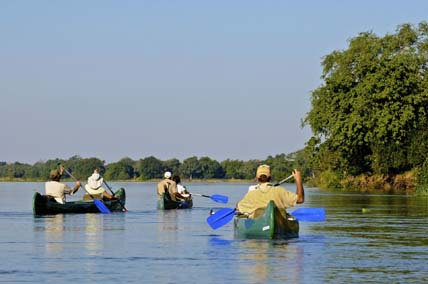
100,205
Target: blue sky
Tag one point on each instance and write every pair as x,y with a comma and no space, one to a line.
170,79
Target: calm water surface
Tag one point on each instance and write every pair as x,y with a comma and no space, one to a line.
385,244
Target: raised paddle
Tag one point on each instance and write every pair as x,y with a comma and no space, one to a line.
284,180
120,202
100,205
215,197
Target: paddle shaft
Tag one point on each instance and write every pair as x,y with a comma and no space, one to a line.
75,179
214,197
284,180
203,195
120,202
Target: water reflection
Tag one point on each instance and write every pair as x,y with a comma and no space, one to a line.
84,232
270,261
167,225
54,233
216,241
93,229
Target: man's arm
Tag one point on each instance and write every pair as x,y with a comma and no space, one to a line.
299,186
76,187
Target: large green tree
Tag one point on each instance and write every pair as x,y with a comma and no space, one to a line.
210,168
121,170
190,168
371,111
150,167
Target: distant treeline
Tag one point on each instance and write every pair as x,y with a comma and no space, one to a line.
152,168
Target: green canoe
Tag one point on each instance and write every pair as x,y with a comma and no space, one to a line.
45,205
165,203
270,225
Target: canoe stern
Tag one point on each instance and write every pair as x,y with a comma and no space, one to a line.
269,225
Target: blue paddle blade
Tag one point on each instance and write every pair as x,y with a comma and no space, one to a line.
309,214
219,198
221,217
101,206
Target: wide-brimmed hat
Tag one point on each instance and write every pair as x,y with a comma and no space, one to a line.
94,191
263,170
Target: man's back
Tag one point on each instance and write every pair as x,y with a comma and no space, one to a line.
167,186
260,197
57,190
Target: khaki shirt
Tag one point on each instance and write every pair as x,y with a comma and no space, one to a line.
167,185
262,194
58,190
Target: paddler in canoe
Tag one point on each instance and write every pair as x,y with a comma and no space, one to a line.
181,189
168,195
262,211
57,189
54,202
256,200
94,187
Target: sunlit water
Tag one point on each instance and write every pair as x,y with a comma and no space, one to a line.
385,244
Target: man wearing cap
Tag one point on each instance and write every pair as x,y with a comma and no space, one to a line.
168,186
264,192
57,189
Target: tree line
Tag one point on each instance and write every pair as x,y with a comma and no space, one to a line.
370,115
150,168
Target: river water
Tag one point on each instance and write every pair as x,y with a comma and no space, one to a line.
364,239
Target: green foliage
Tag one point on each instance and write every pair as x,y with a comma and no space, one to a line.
172,165
329,180
280,166
373,105
153,168
190,168
122,170
150,167
210,168
422,178
82,168
237,169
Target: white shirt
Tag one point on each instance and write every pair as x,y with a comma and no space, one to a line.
58,190
95,181
180,188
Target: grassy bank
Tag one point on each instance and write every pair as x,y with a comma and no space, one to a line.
406,183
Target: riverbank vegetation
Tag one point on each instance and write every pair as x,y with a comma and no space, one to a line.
369,118
152,168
